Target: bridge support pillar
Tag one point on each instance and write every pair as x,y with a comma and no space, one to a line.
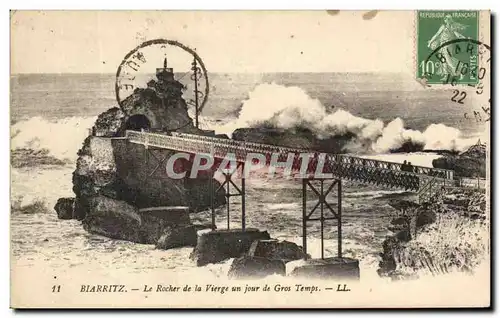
335,214
331,267
240,191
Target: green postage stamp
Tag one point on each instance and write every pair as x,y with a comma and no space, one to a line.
447,46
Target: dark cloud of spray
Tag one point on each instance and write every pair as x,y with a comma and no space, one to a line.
278,106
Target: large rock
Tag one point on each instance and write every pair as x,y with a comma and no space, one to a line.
305,138
177,237
425,217
158,221
276,250
471,163
295,137
167,114
108,165
399,224
113,218
119,220
387,264
109,123
216,246
64,208
248,267
403,257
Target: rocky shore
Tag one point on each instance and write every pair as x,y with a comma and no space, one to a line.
448,233
296,137
471,163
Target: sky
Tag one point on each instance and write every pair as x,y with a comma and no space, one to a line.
227,41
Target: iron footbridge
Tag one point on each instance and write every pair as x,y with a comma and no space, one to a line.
376,172
427,182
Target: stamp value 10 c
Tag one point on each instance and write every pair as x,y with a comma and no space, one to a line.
446,46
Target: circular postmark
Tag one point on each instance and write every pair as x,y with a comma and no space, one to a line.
464,64
458,60
137,69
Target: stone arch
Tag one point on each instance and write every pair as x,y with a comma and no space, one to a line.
138,122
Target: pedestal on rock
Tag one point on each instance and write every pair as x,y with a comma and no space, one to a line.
266,257
216,246
119,220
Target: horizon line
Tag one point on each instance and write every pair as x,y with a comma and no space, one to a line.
216,72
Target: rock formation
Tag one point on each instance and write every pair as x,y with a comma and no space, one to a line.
277,250
301,137
265,257
64,208
253,267
116,183
219,245
296,137
443,223
471,163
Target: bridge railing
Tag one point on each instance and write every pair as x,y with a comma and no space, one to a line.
345,166
337,158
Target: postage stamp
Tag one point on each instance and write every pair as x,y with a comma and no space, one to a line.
439,59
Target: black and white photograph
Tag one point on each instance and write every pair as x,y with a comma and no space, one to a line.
250,159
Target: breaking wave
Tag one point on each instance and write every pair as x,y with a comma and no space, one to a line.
60,138
277,106
270,105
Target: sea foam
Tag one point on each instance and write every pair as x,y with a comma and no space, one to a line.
285,107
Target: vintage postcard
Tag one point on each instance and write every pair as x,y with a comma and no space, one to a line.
250,159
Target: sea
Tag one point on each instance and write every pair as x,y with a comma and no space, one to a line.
53,113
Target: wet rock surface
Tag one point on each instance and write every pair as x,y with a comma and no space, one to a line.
471,163
454,212
167,227
110,123
65,208
296,137
113,218
253,267
179,236
216,246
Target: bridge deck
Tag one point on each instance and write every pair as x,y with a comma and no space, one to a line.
342,166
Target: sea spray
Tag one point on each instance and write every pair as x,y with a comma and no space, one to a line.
267,105
62,137
278,106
